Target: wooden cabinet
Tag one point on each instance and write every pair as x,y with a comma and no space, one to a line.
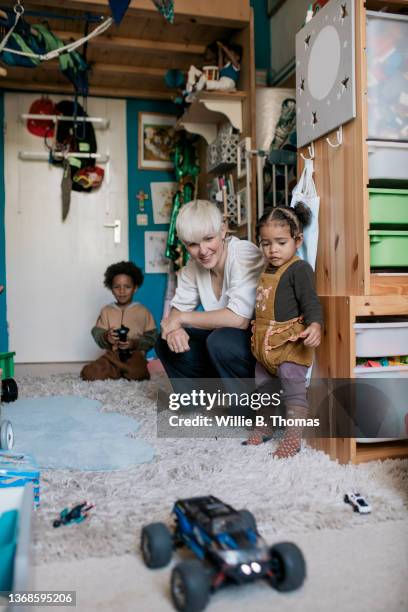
336,358
345,283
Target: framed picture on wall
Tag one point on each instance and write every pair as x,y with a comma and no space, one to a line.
156,141
156,261
242,206
162,200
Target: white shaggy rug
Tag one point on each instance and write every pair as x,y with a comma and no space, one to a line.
299,495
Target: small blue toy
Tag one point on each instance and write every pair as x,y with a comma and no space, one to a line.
229,550
78,514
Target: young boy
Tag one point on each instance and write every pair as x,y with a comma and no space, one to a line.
122,358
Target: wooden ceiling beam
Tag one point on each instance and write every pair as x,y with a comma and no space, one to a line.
135,44
109,92
118,69
212,12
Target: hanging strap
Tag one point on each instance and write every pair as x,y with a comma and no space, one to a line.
64,49
18,10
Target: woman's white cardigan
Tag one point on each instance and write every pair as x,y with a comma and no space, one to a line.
243,266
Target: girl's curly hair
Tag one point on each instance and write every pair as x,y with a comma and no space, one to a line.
123,267
296,217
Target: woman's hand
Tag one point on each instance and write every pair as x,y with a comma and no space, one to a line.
178,341
311,335
171,323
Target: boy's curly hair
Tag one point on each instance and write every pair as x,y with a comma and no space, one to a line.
296,217
123,267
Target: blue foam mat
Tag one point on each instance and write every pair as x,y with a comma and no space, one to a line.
70,432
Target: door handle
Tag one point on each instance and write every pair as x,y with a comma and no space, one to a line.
116,226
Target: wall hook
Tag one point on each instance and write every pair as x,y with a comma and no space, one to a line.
311,150
339,136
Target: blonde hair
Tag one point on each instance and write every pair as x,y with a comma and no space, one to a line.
197,219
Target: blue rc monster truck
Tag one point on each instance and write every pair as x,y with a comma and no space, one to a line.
229,549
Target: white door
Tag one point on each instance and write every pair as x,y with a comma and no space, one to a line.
55,269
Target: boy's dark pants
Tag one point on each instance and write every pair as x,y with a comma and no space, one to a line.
109,366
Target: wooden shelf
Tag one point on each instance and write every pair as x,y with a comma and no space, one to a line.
381,450
375,305
389,284
209,109
346,450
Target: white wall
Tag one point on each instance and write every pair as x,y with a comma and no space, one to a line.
54,268
284,26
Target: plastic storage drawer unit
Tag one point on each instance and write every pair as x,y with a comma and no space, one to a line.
388,162
387,87
388,248
388,207
391,415
381,339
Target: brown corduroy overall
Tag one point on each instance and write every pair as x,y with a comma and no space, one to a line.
274,342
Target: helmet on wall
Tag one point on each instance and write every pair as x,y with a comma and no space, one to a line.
41,127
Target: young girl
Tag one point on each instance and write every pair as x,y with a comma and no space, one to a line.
288,315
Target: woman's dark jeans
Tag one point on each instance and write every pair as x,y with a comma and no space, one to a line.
220,353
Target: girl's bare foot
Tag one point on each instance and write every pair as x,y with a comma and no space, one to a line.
257,437
290,444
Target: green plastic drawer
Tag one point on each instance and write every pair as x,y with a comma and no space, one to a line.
388,207
388,249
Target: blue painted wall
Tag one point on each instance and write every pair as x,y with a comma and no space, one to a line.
262,35
152,292
3,314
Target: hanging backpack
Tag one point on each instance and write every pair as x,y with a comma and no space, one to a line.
75,137
72,64
22,39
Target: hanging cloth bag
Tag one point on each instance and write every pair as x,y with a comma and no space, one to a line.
305,191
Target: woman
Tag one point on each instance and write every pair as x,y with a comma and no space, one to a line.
221,275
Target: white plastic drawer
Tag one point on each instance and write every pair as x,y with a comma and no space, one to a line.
387,160
381,339
386,372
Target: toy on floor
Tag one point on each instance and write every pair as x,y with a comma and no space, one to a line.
358,502
229,549
78,514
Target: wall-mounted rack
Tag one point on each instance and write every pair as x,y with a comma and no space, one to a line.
98,122
44,156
